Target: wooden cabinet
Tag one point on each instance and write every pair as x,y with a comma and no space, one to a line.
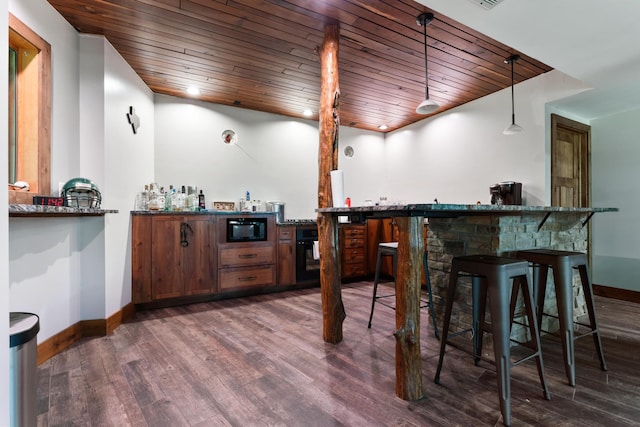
380,230
172,256
246,265
286,271
353,247
384,230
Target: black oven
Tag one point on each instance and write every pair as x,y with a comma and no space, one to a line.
307,262
246,229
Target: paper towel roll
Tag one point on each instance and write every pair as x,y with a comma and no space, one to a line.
337,188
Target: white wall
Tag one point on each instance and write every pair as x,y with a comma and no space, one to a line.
453,157
276,157
116,158
456,155
43,253
614,158
73,269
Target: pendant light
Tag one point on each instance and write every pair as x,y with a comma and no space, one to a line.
513,127
427,106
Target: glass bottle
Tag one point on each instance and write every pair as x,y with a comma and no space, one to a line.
201,203
167,199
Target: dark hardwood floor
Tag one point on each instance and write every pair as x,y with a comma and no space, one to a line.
261,361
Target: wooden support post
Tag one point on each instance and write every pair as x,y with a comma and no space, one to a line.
329,122
408,282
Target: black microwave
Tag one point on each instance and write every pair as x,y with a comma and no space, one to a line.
246,229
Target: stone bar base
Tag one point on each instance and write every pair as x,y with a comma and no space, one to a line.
499,235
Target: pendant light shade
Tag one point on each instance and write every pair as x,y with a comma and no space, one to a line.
427,106
513,127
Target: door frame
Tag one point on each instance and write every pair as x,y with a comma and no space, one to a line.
557,122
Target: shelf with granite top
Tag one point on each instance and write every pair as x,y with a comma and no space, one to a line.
204,212
440,210
453,210
39,211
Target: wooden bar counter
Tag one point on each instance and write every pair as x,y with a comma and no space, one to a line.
455,230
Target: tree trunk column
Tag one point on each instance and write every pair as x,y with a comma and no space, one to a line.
329,123
408,282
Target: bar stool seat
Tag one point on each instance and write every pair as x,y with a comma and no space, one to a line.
497,278
391,249
562,263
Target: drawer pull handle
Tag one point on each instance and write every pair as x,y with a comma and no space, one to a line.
246,256
247,279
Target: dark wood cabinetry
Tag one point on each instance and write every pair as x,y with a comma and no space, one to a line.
353,247
380,230
172,256
245,265
286,271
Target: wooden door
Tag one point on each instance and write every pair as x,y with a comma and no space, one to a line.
198,268
570,161
380,230
286,256
166,258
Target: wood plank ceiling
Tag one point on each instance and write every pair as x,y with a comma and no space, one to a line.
261,54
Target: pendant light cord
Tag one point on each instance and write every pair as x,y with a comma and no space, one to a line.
426,70
513,108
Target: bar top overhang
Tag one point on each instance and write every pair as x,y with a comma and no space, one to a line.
434,210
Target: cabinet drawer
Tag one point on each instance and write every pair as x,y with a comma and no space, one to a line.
354,243
238,278
351,256
238,257
285,233
357,232
354,270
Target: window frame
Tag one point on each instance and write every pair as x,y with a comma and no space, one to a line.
34,111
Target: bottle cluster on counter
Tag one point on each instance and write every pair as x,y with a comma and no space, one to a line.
156,198
247,204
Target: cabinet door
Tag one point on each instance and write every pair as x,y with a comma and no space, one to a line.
182,256
141,258
198,269
379,231
166,258
286,256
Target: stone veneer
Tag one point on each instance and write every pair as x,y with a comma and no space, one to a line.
499,235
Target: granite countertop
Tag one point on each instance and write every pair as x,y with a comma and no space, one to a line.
205,212
24,210
452,210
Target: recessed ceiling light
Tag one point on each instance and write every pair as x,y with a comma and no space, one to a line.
193,90
307,112
383,127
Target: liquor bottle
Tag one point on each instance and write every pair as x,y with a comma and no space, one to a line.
167,199
160,202
182,200
174,200
201,204
142,199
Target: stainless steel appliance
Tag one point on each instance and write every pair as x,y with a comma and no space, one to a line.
246,229
307,265
278,208
506,193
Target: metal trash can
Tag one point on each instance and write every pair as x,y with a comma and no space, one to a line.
23,364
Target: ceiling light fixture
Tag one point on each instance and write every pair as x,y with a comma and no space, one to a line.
427,106
192,90
383,127
513,127
308,112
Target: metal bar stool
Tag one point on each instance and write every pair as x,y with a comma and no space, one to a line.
391,249
498,278
563,263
